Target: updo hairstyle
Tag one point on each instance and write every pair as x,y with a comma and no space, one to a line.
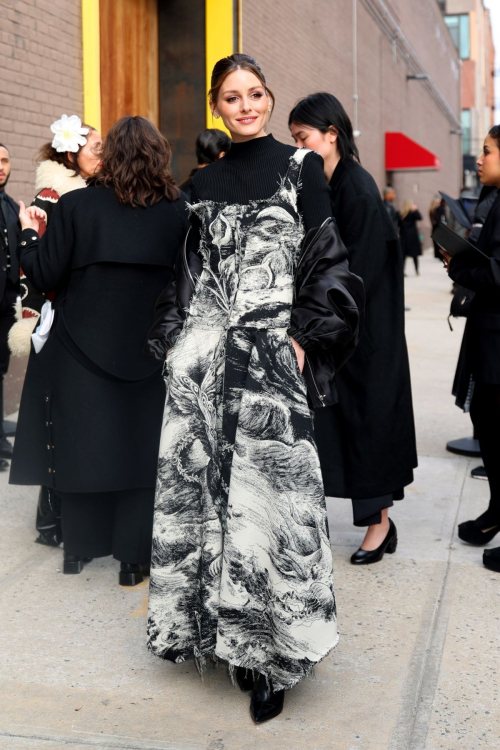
228,65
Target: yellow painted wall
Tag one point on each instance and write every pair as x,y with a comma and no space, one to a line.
91,63
219,41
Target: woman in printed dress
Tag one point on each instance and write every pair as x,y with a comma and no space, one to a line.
241,560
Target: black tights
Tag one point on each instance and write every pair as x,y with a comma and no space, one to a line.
415,260
485,415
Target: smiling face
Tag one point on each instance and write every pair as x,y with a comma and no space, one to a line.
4,167
243,104
489,162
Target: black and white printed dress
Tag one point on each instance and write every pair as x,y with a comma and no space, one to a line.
241,561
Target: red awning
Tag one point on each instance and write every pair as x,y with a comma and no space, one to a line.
401,153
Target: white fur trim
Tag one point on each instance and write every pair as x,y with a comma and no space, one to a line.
18,308
19,338
51,174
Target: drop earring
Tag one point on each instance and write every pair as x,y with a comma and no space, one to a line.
216,116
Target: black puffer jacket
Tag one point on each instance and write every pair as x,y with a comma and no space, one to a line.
326,318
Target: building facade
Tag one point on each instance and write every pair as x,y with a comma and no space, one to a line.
392,63
469,23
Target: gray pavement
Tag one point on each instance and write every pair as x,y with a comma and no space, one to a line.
416,666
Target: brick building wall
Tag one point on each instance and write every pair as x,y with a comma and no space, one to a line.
306,47
40,79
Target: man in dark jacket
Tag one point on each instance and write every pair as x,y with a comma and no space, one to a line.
10,230
389,198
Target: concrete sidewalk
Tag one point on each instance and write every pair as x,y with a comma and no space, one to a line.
416,667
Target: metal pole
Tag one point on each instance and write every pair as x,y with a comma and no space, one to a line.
355,65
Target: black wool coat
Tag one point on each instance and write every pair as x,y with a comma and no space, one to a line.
480,274
10,245
367,441
408,232
92,403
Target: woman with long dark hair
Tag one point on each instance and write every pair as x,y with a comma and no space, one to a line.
367,441
241,563
211,144
480,373
90,416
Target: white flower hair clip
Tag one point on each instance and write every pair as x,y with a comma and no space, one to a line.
68,134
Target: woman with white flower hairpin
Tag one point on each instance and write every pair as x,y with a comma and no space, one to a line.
90,415
65,163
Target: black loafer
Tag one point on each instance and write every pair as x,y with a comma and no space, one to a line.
469,532
491,559
479,473
266,703
73,564
4,465
132,573
389,545
244,678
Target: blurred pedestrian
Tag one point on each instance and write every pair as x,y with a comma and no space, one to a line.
211,144
437,215
367,441
480,272
408,232
389,199
9,284
91,408
240,509
65,165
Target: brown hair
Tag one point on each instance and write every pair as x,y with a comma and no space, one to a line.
136,162
228,65
48,153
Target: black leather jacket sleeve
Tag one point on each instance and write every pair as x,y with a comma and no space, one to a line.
173,302
328,309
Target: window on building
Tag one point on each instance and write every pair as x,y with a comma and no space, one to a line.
466,126
460,32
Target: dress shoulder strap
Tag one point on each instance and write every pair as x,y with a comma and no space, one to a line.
295,165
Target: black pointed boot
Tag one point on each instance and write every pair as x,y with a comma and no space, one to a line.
266,703
244,678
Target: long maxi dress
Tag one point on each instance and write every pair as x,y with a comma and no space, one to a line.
241,561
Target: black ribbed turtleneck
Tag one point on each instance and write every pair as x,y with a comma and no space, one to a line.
252,171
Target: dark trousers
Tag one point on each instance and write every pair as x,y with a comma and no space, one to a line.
109,523
7,320
485,415
367,511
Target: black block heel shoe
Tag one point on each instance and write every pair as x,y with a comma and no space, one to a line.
266,703
244,678
491,559
73,564
469,532
132,573
365,557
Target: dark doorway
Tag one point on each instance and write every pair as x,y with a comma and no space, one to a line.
181,28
